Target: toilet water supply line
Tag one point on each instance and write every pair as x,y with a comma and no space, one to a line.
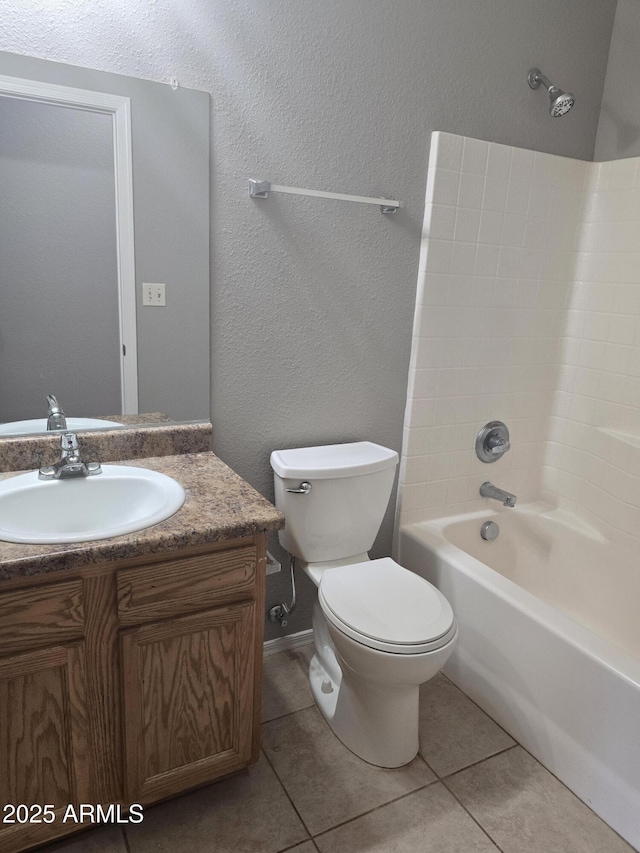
280,612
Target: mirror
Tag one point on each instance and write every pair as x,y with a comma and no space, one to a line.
104,188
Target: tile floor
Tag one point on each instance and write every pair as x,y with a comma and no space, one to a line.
471,789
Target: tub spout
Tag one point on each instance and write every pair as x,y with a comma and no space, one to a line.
488,490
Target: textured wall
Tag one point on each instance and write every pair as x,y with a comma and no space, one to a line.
312,300
619,126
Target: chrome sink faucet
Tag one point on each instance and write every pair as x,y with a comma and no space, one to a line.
56,419
70,463
488,490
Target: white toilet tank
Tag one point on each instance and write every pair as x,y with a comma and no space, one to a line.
341,515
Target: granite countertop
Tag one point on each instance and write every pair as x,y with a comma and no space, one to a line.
219,505
27,452
139,420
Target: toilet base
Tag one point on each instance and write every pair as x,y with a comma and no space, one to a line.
378,724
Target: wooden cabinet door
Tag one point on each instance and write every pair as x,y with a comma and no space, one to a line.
44,741
187,693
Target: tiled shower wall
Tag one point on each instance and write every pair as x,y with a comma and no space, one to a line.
528,311
593,457
499,241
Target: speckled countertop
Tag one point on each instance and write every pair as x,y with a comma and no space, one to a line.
219,505
27,452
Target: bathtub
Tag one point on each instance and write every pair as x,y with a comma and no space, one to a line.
549,642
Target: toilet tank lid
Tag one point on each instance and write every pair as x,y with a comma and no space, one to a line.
333,460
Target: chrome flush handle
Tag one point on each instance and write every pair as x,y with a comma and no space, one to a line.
303,489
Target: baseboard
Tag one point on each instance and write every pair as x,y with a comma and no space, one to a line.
290,641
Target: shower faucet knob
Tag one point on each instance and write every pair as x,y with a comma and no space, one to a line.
498,446
492,441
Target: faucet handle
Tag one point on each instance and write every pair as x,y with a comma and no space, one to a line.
56,419
70,463
68,441
54,405
492,442
497,445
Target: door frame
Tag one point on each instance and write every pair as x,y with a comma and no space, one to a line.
119,108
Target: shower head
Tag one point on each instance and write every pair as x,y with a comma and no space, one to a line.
559,102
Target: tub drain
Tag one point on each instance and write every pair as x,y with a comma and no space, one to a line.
489,531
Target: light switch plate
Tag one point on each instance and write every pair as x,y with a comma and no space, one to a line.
154,294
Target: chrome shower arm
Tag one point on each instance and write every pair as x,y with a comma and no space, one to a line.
536,77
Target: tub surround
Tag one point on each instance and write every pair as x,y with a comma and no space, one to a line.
527,311
498,247
26,453
219,505
592,462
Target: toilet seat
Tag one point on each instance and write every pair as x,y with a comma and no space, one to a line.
384,606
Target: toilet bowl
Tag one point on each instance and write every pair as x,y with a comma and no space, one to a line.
391,631
380,630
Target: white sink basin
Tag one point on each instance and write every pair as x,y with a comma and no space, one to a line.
120,500
40,425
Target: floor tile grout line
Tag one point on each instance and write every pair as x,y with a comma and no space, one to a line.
466,695
464,808
479,761
429,767
282,785
297,844
286,714
517,743
564,785
402,796
376,808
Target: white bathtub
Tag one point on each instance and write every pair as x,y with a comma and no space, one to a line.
549,643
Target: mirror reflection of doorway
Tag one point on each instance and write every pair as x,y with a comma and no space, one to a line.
59,311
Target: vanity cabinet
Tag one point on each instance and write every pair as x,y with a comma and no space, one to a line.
44,742
188,690
128,682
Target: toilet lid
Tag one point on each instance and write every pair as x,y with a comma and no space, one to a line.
385,603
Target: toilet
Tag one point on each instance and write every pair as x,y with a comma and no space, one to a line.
380,631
